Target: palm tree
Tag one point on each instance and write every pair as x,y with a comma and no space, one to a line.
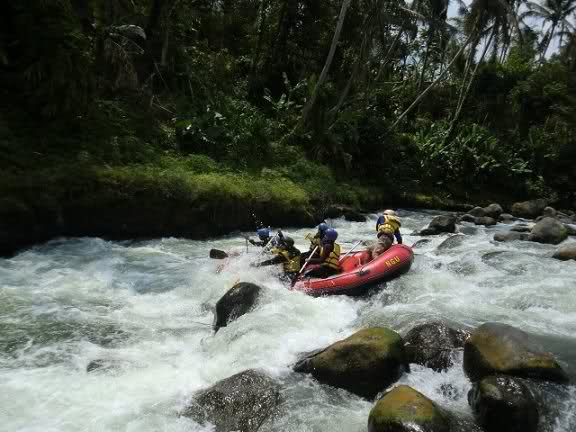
555,13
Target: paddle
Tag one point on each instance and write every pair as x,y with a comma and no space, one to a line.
304,266
351,250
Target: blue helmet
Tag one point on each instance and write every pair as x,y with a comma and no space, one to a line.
322,227
263,233
331,234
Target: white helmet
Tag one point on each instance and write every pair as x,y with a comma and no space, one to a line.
390,212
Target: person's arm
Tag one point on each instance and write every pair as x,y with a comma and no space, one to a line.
273,261
325,254
398,236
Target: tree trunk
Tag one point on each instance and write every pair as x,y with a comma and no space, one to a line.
426,55
261,25
456,117
549,39
432,85
324,74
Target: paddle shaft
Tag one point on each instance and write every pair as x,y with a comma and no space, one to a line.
351,250
306,263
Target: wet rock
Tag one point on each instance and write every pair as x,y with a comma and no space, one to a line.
477,212
468,218
510,236
468,230
548,230
504,404
566,252
493,211
241,402
523,228
506,218
452,242
107,365
354,216
549,212
495,348
365,363
440,224
420,243
486,221
239,300
570,229
432,345
404,409
529,209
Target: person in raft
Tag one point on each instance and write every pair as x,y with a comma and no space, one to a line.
387,227
287,255
329,257
263,235
315,240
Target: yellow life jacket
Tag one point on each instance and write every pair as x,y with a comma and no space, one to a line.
292,263
333,260
390,225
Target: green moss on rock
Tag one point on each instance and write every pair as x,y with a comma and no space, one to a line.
405,409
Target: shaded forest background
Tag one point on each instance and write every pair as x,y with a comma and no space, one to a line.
290,102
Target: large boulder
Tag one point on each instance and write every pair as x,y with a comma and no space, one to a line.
433,344
510,236
570,229
241,402
354,216
365,363
548,230
495,348
504,404
468,218
477,212
440,224
493,211
549,212
529,209
404,409
420,243
566,252
452,242
486,221
239,300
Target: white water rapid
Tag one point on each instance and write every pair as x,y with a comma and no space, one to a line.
143,305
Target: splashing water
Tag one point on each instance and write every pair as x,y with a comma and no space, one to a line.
147,307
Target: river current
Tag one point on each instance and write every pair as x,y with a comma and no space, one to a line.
147,307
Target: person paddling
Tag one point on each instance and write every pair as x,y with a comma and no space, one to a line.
387,227
329,258
315,240
287,255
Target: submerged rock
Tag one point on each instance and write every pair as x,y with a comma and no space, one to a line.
506,218
452,242
468,218
529,209
523,228
420,243
548,230
440,224
404,409
353,216
566,252
241,402
504,404
432,345
510,236
495,348
486,221
107,365
365,363
239,300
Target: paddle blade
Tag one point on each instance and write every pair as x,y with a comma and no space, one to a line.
218,254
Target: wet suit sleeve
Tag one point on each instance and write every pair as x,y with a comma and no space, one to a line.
398,236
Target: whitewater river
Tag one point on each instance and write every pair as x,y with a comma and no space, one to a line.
145,304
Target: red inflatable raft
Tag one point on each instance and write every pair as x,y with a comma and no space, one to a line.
359,272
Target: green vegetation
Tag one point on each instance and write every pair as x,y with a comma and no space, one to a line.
294,103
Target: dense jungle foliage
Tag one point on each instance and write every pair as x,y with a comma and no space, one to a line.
291,100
